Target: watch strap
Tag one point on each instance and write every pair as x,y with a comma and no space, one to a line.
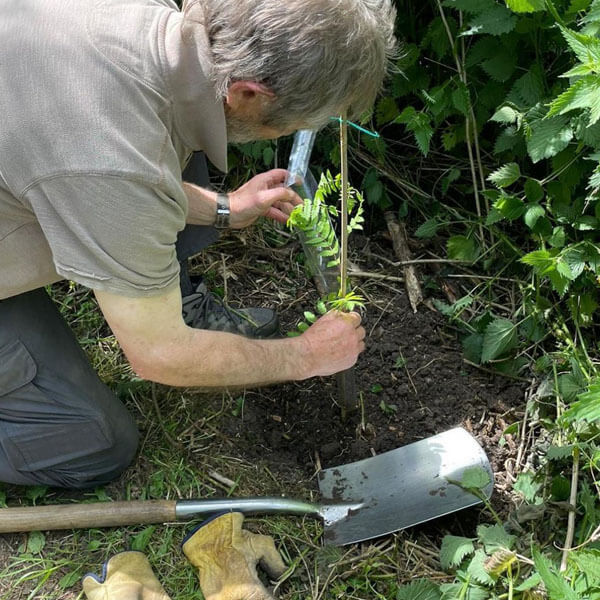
223,211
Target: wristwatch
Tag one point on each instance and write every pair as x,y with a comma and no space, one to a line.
223,212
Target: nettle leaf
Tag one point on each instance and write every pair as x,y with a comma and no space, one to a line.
584,93
477,570
506,114
500,337
575,258
421,589
454,550
558,237
461,99
464,591
585,47
542,261
532,581
525,6
527,485
556,585
461,247
548,137
587,407
501,66
528,90
495,20
474,478
506,175
533,212
36,541
495,537
469,6
569,387
588,562
419,124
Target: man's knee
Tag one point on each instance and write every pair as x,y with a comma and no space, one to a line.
87,451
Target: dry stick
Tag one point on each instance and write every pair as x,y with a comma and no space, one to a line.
572,511
400,243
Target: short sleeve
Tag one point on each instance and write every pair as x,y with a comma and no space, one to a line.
110,233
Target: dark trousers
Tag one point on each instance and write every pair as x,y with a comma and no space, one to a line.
59,424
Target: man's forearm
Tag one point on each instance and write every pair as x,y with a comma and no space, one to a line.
202,205
202,358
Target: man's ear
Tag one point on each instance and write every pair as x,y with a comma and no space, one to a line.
246,95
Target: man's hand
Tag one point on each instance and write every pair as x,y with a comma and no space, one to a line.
263,196
334,342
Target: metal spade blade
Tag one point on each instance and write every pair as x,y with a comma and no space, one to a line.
401,488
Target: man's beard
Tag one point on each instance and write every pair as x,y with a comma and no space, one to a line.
240,131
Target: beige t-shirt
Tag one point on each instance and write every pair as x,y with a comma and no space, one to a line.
101,103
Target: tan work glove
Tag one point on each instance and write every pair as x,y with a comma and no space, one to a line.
126,576
226,558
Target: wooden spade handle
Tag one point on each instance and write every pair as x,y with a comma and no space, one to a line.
84,516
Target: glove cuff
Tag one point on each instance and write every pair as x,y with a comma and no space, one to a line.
102,577
212,518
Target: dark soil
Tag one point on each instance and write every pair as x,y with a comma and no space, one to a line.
411,381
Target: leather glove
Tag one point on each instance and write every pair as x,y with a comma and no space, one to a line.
126,576
226,558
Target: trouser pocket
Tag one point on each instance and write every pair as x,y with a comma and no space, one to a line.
38,431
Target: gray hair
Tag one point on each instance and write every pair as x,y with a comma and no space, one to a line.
319,57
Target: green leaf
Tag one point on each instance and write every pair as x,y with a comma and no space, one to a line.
587,407
35,492
474,478
557,586
460,99
141,540
585,47
533,212
463,591
69,580
454,549
527,485
461,247
500,337
470,6
428,229
505,175
501,66
420,589
542,261
506,114
495,537
525,6
569,387
472,347
495,20
588,562
534,190
531,582
35,542
558,237
548,137
419,124
477,571
584,93
510,207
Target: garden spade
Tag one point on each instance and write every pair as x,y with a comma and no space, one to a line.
359,501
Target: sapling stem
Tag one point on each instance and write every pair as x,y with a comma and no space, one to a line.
344,205
572,511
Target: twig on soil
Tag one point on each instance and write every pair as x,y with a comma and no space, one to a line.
492,372
367,275
227,483
572,511
400,243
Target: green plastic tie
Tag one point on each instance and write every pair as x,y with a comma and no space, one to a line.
356,126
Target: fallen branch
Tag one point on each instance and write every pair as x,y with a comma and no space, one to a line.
400,242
